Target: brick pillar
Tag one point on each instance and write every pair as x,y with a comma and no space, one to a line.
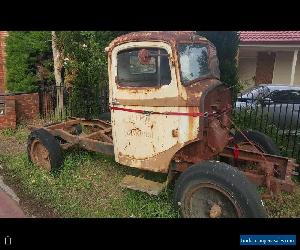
264,67
3,35
9,119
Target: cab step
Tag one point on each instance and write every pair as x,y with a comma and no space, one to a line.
141,184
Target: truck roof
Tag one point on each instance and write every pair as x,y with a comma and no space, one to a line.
171,37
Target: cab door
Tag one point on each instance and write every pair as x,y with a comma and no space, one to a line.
143,80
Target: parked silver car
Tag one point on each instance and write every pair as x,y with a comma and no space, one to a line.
279,103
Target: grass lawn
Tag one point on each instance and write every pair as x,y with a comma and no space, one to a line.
88,186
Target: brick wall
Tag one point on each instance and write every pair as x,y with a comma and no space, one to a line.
8,119
264,67
27,106
19,108
3,35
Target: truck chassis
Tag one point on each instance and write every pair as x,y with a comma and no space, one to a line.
170,117
273,172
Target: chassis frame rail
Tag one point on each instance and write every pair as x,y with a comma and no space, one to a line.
95,135
274,172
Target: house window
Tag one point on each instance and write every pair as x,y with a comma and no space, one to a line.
143,67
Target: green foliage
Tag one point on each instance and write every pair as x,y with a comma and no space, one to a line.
7,132
86,60
20,133
227,43
29,60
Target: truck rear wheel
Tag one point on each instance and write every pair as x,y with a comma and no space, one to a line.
261,141
44,150
217,190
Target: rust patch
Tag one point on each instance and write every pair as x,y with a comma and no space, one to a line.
218,137
198,89
193,152
175,132
215,211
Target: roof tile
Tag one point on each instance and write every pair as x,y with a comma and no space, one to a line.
269,36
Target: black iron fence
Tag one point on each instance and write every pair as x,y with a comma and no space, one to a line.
278,118
81,102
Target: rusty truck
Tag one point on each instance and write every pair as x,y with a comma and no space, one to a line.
171,114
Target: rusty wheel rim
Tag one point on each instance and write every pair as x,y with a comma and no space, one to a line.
210,201
40,155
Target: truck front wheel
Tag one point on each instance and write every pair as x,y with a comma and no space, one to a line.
214,189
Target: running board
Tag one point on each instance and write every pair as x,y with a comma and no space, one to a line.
141,184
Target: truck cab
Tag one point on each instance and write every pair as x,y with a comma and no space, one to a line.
162,85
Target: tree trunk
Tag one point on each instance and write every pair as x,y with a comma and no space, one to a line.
57,59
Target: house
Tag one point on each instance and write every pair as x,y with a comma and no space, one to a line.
269,57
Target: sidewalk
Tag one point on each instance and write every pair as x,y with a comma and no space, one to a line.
9,207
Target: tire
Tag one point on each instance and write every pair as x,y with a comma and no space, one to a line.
105,116
43,140
264,142
219,185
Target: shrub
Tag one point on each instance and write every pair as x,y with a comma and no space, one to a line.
226,43
29,60
85,68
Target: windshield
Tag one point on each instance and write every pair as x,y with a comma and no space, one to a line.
193,62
